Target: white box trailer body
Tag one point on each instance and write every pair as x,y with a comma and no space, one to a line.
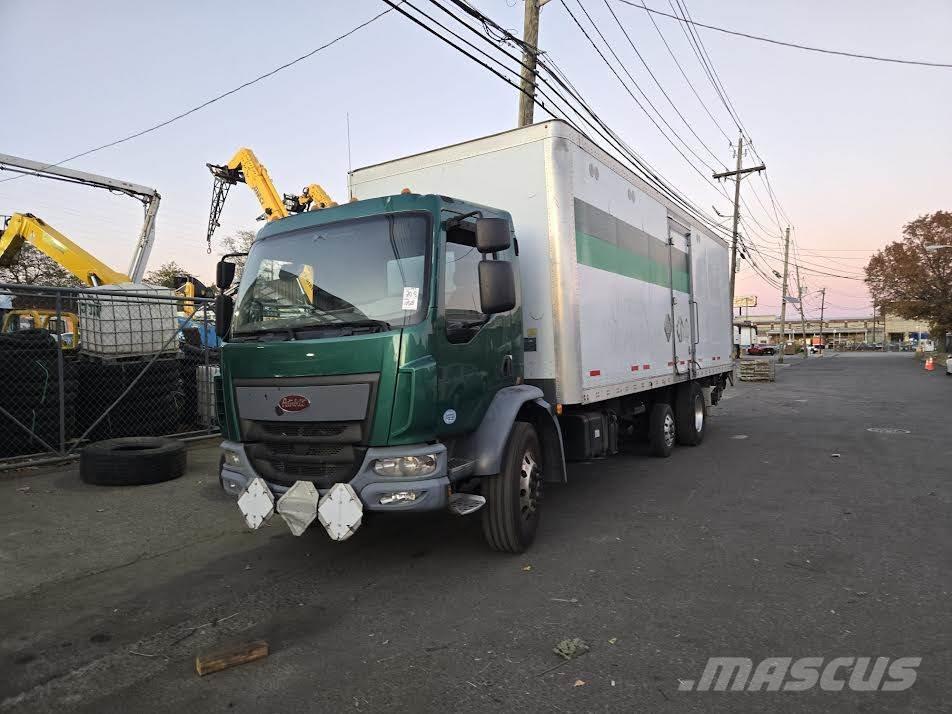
622,291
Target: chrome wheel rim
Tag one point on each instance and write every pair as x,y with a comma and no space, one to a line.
668,430
698,414
530,484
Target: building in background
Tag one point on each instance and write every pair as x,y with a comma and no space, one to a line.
841,331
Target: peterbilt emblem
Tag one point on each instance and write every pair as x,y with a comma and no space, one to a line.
293,403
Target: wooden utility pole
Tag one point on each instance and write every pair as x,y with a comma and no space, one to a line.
822,309
530,35
738,173
783,298
803,319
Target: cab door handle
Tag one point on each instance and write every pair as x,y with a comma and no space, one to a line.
507,366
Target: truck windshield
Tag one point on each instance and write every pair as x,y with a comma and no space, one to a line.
367,273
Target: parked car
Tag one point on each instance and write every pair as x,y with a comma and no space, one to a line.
761,350
948,367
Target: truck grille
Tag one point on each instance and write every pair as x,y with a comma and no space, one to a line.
326,449
324,453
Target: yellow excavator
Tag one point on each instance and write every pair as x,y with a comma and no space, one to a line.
26,228
244,167
23,228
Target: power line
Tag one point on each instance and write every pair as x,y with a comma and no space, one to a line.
795,45
807,266
684,74
715,78
658,83
631,159
640,106
618,77
216,98
707,64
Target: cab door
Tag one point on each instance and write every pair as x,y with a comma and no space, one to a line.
475,353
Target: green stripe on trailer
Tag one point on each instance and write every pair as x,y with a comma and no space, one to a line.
607,243
596,253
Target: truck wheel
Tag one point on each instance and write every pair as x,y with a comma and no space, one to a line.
662,429
511,514
690,414
132,461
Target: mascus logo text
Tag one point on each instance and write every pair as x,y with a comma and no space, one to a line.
293,403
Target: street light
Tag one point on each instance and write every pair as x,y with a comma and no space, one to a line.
936,247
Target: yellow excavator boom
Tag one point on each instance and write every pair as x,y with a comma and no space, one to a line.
244,167
27,228
312,198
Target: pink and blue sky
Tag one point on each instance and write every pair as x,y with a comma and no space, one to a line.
854,149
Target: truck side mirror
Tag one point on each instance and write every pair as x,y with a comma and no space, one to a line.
497,287
224,311
492,235
224,274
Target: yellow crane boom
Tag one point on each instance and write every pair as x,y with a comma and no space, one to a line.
26,228
244,167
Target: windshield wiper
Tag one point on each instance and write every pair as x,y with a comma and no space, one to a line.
366,323
341,329
268,334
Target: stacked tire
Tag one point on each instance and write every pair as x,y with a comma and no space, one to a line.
150,408
31,393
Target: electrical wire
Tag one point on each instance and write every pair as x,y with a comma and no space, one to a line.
644,96
703,176
684,74
216,98
796,45
706,59
658,83
630,159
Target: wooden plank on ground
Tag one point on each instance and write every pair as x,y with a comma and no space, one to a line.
230,656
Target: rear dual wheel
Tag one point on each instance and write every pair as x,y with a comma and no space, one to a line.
685,424
690,411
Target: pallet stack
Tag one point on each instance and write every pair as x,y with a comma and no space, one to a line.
757,371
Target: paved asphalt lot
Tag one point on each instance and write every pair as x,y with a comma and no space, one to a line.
757,543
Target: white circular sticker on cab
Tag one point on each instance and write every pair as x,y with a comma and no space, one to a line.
449,416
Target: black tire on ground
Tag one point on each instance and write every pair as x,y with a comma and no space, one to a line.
511,513
132,461
690,414
662,430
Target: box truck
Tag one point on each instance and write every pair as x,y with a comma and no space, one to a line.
476,316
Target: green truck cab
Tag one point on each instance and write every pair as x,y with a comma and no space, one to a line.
374,362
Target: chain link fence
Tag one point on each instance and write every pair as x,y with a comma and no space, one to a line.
82,365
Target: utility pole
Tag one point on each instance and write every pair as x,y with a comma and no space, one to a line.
783,298
803,319
822,308
530,36
738,173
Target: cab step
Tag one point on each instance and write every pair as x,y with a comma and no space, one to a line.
462,504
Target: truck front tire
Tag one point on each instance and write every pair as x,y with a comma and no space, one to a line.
662,429
690,411
511,514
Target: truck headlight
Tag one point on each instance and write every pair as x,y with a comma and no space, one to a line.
232,458
409,466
